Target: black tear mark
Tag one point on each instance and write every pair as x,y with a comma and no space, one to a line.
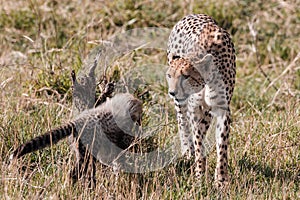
175,57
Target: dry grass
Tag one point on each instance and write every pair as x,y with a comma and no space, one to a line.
42,41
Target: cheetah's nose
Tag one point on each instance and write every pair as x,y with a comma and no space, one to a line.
171,93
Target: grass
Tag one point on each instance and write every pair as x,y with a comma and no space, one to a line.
42,41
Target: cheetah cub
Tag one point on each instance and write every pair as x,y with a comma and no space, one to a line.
102,127
201,79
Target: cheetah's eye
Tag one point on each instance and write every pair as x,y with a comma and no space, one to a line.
168,75
185,76
175,57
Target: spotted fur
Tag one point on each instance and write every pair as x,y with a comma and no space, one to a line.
201,80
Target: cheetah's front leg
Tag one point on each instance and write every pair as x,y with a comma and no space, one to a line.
187,147
200,120
222,140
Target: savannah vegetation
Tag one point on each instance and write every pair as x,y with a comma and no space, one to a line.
42,41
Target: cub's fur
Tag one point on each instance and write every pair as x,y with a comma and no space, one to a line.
111,117
112,120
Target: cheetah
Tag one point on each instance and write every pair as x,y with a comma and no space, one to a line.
201,80
112,121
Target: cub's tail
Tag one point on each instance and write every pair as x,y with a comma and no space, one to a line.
42,141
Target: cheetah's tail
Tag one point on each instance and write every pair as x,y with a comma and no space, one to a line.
42,141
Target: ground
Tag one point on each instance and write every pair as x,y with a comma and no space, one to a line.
42,41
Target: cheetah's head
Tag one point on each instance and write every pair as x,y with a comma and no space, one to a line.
184,76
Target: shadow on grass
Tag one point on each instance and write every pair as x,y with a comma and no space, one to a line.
267,171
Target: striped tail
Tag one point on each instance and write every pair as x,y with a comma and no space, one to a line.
42,141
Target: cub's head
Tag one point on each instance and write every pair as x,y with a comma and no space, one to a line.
185,76
126,109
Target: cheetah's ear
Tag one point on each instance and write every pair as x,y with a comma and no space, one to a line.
204,64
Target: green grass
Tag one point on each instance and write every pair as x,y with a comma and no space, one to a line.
42,41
